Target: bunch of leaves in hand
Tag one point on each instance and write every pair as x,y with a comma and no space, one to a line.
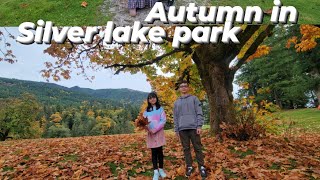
141,121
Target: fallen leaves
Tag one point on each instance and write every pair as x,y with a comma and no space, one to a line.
126,156
84,4
141,121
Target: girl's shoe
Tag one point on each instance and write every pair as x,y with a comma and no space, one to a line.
156,175
133,12
162,173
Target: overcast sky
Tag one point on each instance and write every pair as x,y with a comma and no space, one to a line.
31,61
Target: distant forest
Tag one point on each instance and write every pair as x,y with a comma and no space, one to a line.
37,109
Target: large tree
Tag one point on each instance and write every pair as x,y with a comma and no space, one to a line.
207,66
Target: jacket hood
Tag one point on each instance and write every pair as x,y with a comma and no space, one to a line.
184,97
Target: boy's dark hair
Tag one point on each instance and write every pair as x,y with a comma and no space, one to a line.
150,107
184,82
179,83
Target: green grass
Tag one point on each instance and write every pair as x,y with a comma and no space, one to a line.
70,157
61,12
113,168
7,168
308,11
71,13
229,173
241,154
307,119
275,166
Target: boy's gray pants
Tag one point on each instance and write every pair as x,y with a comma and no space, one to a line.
185,137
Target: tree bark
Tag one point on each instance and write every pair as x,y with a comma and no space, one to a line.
217,80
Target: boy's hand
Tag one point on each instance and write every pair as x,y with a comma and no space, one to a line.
198,131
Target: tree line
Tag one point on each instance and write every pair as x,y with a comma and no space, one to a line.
26,117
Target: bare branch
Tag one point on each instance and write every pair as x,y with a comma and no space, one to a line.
92,47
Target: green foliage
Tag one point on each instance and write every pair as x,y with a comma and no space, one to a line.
58,131
280,76
15,116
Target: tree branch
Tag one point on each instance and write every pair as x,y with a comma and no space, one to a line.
93,47
155,60
252,49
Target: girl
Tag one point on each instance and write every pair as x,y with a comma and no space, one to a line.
134,4
155,137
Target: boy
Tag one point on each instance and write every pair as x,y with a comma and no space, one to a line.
188,121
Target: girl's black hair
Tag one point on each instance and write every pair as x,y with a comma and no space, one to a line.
150,107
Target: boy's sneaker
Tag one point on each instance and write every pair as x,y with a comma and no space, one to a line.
156,175
162,173
189,171
203,172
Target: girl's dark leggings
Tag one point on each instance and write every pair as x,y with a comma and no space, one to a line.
157,156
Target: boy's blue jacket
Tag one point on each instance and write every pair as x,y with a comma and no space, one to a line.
187,113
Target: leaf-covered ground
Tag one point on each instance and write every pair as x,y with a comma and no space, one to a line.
126,156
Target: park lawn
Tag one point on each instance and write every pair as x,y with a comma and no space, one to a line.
307,119
61,12
304,120
71,13
308,12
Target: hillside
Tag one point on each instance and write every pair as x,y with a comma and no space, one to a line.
50,93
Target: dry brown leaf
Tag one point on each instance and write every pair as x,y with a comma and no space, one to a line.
84,4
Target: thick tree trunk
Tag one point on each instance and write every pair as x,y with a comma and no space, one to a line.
217,81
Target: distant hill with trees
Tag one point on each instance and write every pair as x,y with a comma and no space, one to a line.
50,93
38,109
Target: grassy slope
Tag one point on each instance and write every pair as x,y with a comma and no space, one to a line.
304,119
308,119
63,12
